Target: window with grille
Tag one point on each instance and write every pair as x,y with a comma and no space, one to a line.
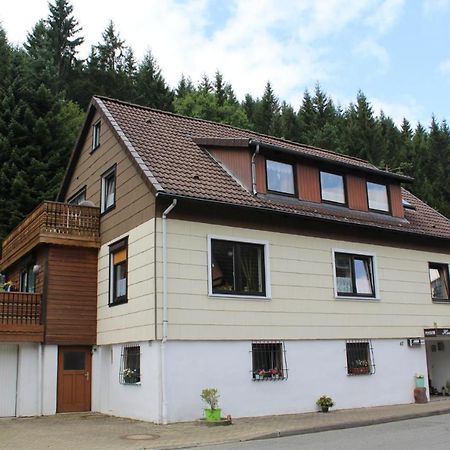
238,268
130,365
269,361
118,272
360,359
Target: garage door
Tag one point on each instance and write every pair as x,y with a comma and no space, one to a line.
8,377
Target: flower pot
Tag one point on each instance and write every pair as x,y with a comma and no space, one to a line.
420,382
213,415
325,409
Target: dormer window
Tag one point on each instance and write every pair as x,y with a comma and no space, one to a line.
280,177
377,196
332,187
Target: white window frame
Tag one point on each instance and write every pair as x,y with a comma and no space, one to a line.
96,129
375,274
103,207
268,295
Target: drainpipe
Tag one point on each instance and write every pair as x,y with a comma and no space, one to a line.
165,314
254,169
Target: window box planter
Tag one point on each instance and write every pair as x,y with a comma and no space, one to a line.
359,370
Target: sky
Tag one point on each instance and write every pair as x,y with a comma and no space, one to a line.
396,51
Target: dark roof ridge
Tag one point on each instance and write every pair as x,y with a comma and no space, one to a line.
225,125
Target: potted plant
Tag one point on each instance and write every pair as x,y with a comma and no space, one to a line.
324,402
130,376
211,397
361,366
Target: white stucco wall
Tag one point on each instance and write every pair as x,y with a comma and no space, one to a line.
139,401
315,368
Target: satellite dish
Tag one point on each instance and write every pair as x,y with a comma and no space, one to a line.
87,203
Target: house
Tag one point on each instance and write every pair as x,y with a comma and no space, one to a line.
271,270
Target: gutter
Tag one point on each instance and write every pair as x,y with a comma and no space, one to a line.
254,190
165,320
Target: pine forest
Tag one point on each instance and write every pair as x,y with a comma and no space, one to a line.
45,89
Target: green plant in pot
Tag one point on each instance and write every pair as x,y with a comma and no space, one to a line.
324,402
211,397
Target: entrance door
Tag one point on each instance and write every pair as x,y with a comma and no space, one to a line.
74,379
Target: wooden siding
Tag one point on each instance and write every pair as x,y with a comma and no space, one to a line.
71,296
356,192
238,161
55,223
261,184
134,201
308,182
395,194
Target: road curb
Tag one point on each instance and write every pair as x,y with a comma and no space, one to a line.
345,425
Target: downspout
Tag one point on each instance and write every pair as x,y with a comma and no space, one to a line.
165,321
254,169
40,381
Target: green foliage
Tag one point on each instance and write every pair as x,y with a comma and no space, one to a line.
211,397
44,87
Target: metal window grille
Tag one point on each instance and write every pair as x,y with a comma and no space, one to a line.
360,360
269,361
130,365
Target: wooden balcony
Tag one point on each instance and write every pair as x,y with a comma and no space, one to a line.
52,223
21,317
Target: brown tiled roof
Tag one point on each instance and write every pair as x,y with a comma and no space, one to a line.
167,148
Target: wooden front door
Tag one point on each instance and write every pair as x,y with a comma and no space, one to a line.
74,379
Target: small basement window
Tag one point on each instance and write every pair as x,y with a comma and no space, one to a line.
354,275
360,359
377,196
439,282
269,361
238,268
280,177
332,187
130,365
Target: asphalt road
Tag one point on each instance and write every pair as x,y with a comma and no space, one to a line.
417,434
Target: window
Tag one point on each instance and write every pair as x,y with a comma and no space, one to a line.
439,282
118,270
130,365
280,177
269,361
354,275
332,187
79,197
360,359
238,268
108,190
28,279
96,135
377,196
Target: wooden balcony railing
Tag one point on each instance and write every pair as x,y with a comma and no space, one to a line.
21,317
20,308
53,223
